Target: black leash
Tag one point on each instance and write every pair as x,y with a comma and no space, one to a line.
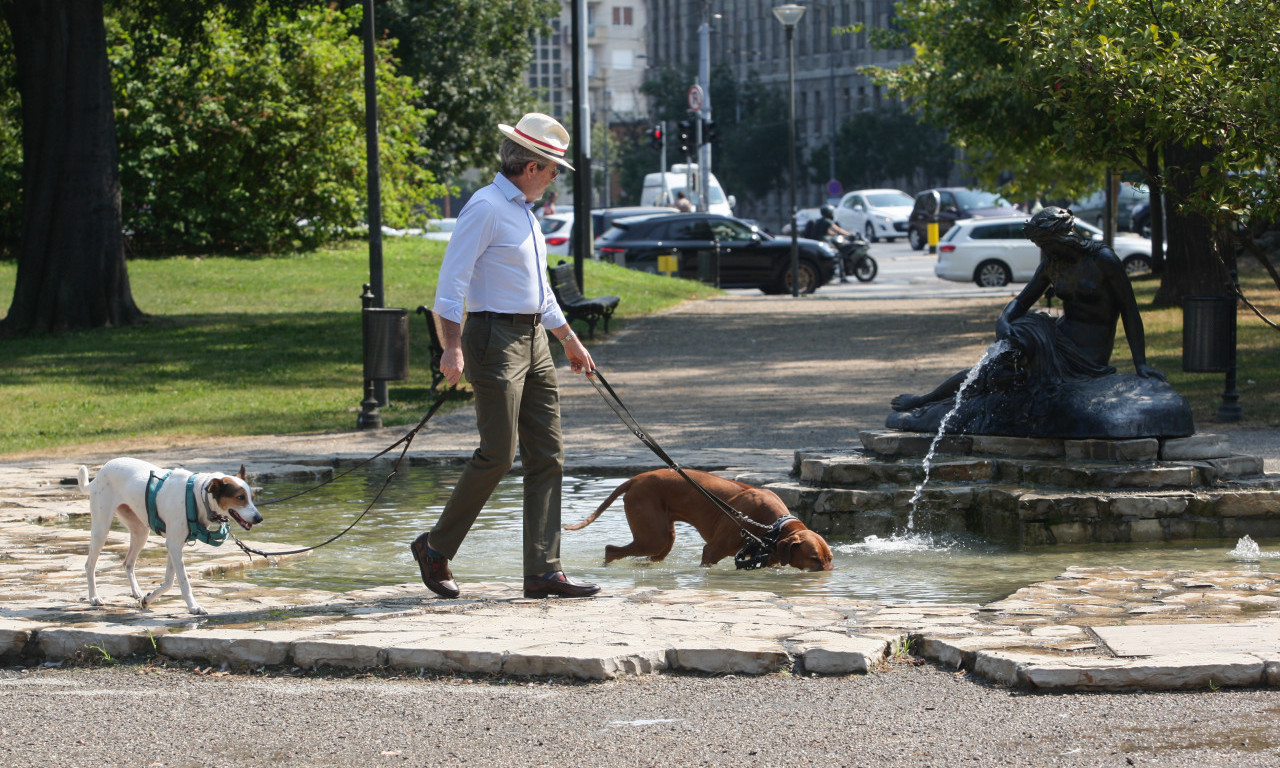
756,552
407,439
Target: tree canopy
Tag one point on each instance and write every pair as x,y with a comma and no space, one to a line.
1053,91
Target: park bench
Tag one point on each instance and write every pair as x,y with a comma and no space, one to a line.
437,349
576,306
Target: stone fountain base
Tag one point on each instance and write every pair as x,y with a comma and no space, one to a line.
1035,491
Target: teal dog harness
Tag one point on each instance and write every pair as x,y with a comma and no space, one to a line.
195,531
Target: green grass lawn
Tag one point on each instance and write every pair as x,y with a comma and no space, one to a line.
244,346
1258,353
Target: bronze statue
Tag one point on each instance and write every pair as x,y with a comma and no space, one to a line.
1055,380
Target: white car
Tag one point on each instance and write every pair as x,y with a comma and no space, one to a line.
557,228
803,217
876,213
993,252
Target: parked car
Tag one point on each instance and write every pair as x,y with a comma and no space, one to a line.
949,205
602,218
993,252
707,244
875,213
557,228
439,229
1093,208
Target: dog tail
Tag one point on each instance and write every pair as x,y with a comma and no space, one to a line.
82,479
605,505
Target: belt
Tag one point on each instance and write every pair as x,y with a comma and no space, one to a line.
514,319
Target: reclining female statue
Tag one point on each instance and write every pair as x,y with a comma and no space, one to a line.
1054,379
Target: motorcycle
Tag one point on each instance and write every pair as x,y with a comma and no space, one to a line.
855,256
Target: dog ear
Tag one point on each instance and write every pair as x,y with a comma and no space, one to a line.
786,548
215,487
241,475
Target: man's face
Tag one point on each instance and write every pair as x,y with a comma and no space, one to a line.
542,177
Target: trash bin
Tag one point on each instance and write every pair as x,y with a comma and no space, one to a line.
1206,333
386,343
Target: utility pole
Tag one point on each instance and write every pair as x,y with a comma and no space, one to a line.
704,115
582,240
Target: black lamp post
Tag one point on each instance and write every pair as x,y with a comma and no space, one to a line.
375,391
789,15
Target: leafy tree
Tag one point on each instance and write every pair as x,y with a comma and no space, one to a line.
886,144
236,142
966,78
469,59
1054,91
1194,86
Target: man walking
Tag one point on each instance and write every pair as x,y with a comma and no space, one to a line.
495,266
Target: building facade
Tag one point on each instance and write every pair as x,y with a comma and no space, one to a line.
616,58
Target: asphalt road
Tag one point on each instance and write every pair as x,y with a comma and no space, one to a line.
903,716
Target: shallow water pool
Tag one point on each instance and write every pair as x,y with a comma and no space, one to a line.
916,568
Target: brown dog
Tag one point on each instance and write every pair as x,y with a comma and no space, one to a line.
656,500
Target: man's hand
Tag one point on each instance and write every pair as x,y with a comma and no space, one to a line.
579,358
451,364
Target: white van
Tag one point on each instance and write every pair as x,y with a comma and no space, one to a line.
661,189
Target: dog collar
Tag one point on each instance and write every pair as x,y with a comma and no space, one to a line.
757,552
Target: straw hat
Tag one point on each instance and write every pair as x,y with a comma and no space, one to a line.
542,134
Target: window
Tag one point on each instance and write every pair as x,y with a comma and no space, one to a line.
692,230
622,16
997,232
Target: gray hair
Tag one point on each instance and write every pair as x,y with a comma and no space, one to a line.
515,157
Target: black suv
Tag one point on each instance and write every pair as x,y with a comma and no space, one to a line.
709,245
947,205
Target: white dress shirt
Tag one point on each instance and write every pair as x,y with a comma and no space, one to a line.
496,260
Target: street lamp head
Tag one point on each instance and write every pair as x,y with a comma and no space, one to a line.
789,14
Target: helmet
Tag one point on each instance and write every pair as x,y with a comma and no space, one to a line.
828,212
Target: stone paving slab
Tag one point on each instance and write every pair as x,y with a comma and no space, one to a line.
1165,639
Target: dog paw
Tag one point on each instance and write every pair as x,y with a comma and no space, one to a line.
199,610
95,601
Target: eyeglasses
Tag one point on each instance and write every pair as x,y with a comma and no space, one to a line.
555,171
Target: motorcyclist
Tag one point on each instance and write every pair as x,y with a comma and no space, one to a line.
826,228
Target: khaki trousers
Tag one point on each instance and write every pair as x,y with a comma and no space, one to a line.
517,401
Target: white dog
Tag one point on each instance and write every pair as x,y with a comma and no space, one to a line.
121,488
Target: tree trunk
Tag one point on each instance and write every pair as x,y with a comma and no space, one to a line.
1192,265
1155,208
71,267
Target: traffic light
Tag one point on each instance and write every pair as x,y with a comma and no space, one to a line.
686,136
708,131
655,137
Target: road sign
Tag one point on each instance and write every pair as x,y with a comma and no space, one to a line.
695,97
835,188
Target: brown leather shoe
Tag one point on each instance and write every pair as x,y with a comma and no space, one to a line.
435,570
558,584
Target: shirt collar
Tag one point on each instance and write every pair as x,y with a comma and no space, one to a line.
510,190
